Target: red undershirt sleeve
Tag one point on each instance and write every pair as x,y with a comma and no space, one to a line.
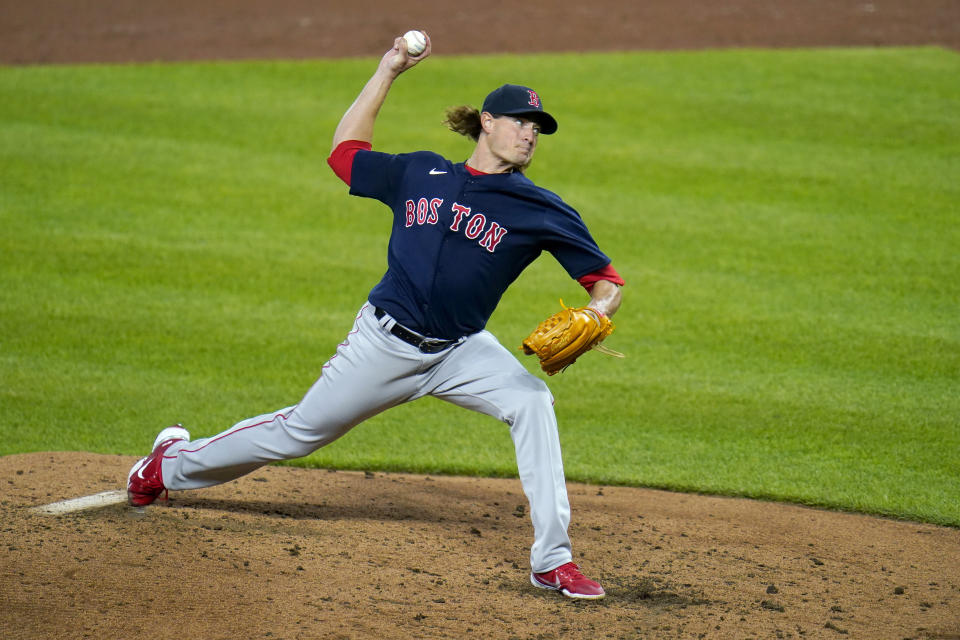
607,273
341,158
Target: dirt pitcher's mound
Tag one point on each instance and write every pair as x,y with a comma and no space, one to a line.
296,553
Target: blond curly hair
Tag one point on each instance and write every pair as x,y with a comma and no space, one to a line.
464,120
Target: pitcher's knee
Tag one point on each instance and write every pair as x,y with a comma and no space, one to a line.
528,395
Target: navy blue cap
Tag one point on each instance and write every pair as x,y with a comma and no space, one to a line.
515,100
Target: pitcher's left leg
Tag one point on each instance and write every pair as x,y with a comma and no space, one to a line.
533,427
481,375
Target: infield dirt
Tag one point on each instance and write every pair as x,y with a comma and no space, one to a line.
292,553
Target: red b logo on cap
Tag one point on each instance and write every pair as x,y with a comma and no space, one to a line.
534,98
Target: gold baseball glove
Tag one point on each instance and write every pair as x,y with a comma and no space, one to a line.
563,337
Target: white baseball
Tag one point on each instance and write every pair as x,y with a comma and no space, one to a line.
416,42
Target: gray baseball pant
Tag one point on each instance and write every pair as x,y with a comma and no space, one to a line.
372,371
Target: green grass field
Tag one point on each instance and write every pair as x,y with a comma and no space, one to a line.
174,248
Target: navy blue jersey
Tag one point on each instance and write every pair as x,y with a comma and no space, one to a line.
459,240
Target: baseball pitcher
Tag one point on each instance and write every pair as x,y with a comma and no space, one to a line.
461,233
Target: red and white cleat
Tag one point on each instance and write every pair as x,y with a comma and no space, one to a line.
145,480
568,580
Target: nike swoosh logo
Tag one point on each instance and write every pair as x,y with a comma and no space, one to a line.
140,470
435,172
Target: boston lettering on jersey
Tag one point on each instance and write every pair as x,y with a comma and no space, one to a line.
459,240
425,211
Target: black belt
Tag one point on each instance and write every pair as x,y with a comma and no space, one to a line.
426,345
